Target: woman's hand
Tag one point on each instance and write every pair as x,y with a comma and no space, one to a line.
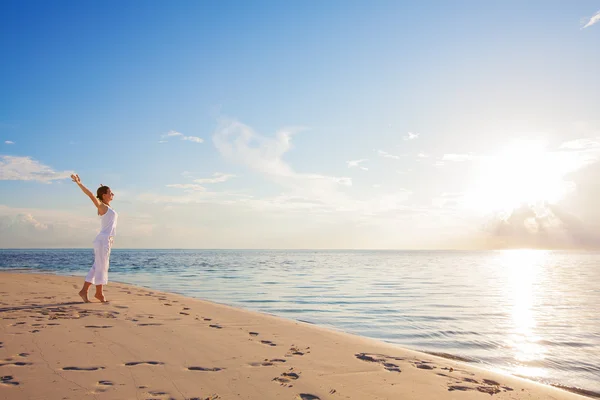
85,190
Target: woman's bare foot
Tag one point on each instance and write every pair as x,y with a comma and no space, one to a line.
100,296
84,296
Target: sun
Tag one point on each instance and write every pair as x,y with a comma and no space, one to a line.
522,173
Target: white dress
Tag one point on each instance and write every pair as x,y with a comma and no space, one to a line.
98,274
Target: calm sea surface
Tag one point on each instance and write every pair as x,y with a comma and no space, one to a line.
534,314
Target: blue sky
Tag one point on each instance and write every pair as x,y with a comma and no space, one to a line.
271,105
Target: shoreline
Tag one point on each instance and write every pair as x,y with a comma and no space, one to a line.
256,355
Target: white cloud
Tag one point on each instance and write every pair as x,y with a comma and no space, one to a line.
355,163
186,186
13,168
9,142
580,144
411,136
593,20
180,135
385,154
29,220
195,194
23,227
458,157
196,187
422,155
239,143
386,203
193,139
73,227
448,200
217,178
343,181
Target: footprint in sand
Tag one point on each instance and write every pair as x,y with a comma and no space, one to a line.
150,324
267,362
105,383
98,326
82,368
184,313
214,369
157,393
268,343
216,326
134,363
253,333
307,396
491,390
487,386
17,363
261,364
380,359
458,387
490,382
286,377
8,380
423,365
295,351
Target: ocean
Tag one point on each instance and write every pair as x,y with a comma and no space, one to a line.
535,314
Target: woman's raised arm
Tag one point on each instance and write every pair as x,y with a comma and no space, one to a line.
89,194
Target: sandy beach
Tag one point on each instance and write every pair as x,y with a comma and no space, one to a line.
146,344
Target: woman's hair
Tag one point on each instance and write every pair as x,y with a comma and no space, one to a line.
102,190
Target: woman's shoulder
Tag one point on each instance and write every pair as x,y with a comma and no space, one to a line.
103,209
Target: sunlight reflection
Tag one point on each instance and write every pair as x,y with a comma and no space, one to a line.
524,268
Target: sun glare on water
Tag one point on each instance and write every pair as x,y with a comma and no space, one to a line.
525,269
522,173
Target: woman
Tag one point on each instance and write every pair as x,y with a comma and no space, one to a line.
98,274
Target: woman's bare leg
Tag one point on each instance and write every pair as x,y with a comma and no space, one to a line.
84,292
99,294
